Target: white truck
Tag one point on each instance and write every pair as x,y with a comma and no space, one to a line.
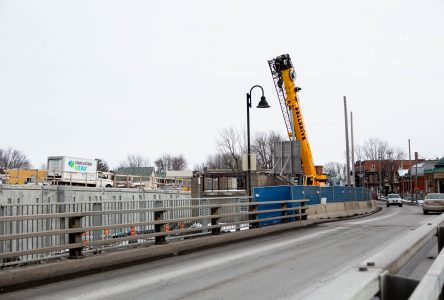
66,170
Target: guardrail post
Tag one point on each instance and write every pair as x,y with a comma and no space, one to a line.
302,210
215,221
395,287
253,216
440,235
284,212
158,216
75,238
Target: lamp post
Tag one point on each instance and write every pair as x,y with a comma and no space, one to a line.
262,104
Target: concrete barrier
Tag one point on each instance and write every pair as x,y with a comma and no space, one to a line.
341,209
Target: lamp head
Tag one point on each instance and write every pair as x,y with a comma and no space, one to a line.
263,103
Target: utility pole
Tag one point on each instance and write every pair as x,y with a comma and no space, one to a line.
380,175
410,172
416,177
346,143
353,150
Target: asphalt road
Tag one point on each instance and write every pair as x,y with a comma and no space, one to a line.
279,266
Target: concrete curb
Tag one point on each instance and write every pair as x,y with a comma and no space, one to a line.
34,275
357,216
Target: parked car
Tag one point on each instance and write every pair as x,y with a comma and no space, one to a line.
433,202
394,199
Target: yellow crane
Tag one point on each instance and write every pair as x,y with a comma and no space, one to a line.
284,79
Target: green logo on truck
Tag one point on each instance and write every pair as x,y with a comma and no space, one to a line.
79,165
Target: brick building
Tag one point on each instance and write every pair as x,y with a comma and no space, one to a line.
418,181
382,176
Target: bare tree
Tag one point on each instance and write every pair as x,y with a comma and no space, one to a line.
331,170
12,158
399,154
230,147
135,161
273,138
263,147
163,163
102,165
231,144
260,148
336,171
215,161
377,149
359,153
168,162
178,163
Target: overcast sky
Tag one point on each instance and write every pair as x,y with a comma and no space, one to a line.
106,78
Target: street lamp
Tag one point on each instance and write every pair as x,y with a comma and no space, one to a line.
262,104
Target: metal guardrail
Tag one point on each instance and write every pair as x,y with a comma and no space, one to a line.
377,276
41,231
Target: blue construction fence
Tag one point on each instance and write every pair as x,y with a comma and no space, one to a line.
313,194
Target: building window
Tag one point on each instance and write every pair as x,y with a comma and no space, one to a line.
373,168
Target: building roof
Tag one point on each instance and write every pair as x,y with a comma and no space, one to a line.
422,166
403,172
435,170
440,163
179,173
140,171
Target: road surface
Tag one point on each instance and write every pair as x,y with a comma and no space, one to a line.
279,266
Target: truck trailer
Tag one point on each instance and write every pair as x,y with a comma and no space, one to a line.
67,170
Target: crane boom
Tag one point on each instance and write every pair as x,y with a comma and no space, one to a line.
283,75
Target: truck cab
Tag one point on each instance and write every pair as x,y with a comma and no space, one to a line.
105,179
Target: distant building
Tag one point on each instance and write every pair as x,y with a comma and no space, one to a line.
180,179
25,176
136,177
434,178
417,172
382,175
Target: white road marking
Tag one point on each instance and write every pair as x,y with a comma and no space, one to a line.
121,287
372,220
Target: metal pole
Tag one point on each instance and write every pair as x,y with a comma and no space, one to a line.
353,149
410,173
346,142
416,176
380,176
248,141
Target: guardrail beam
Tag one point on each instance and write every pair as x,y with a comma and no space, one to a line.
117,214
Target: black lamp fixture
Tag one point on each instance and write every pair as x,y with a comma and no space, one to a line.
262,104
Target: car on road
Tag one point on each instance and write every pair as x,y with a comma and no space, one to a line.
433,202
394,199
